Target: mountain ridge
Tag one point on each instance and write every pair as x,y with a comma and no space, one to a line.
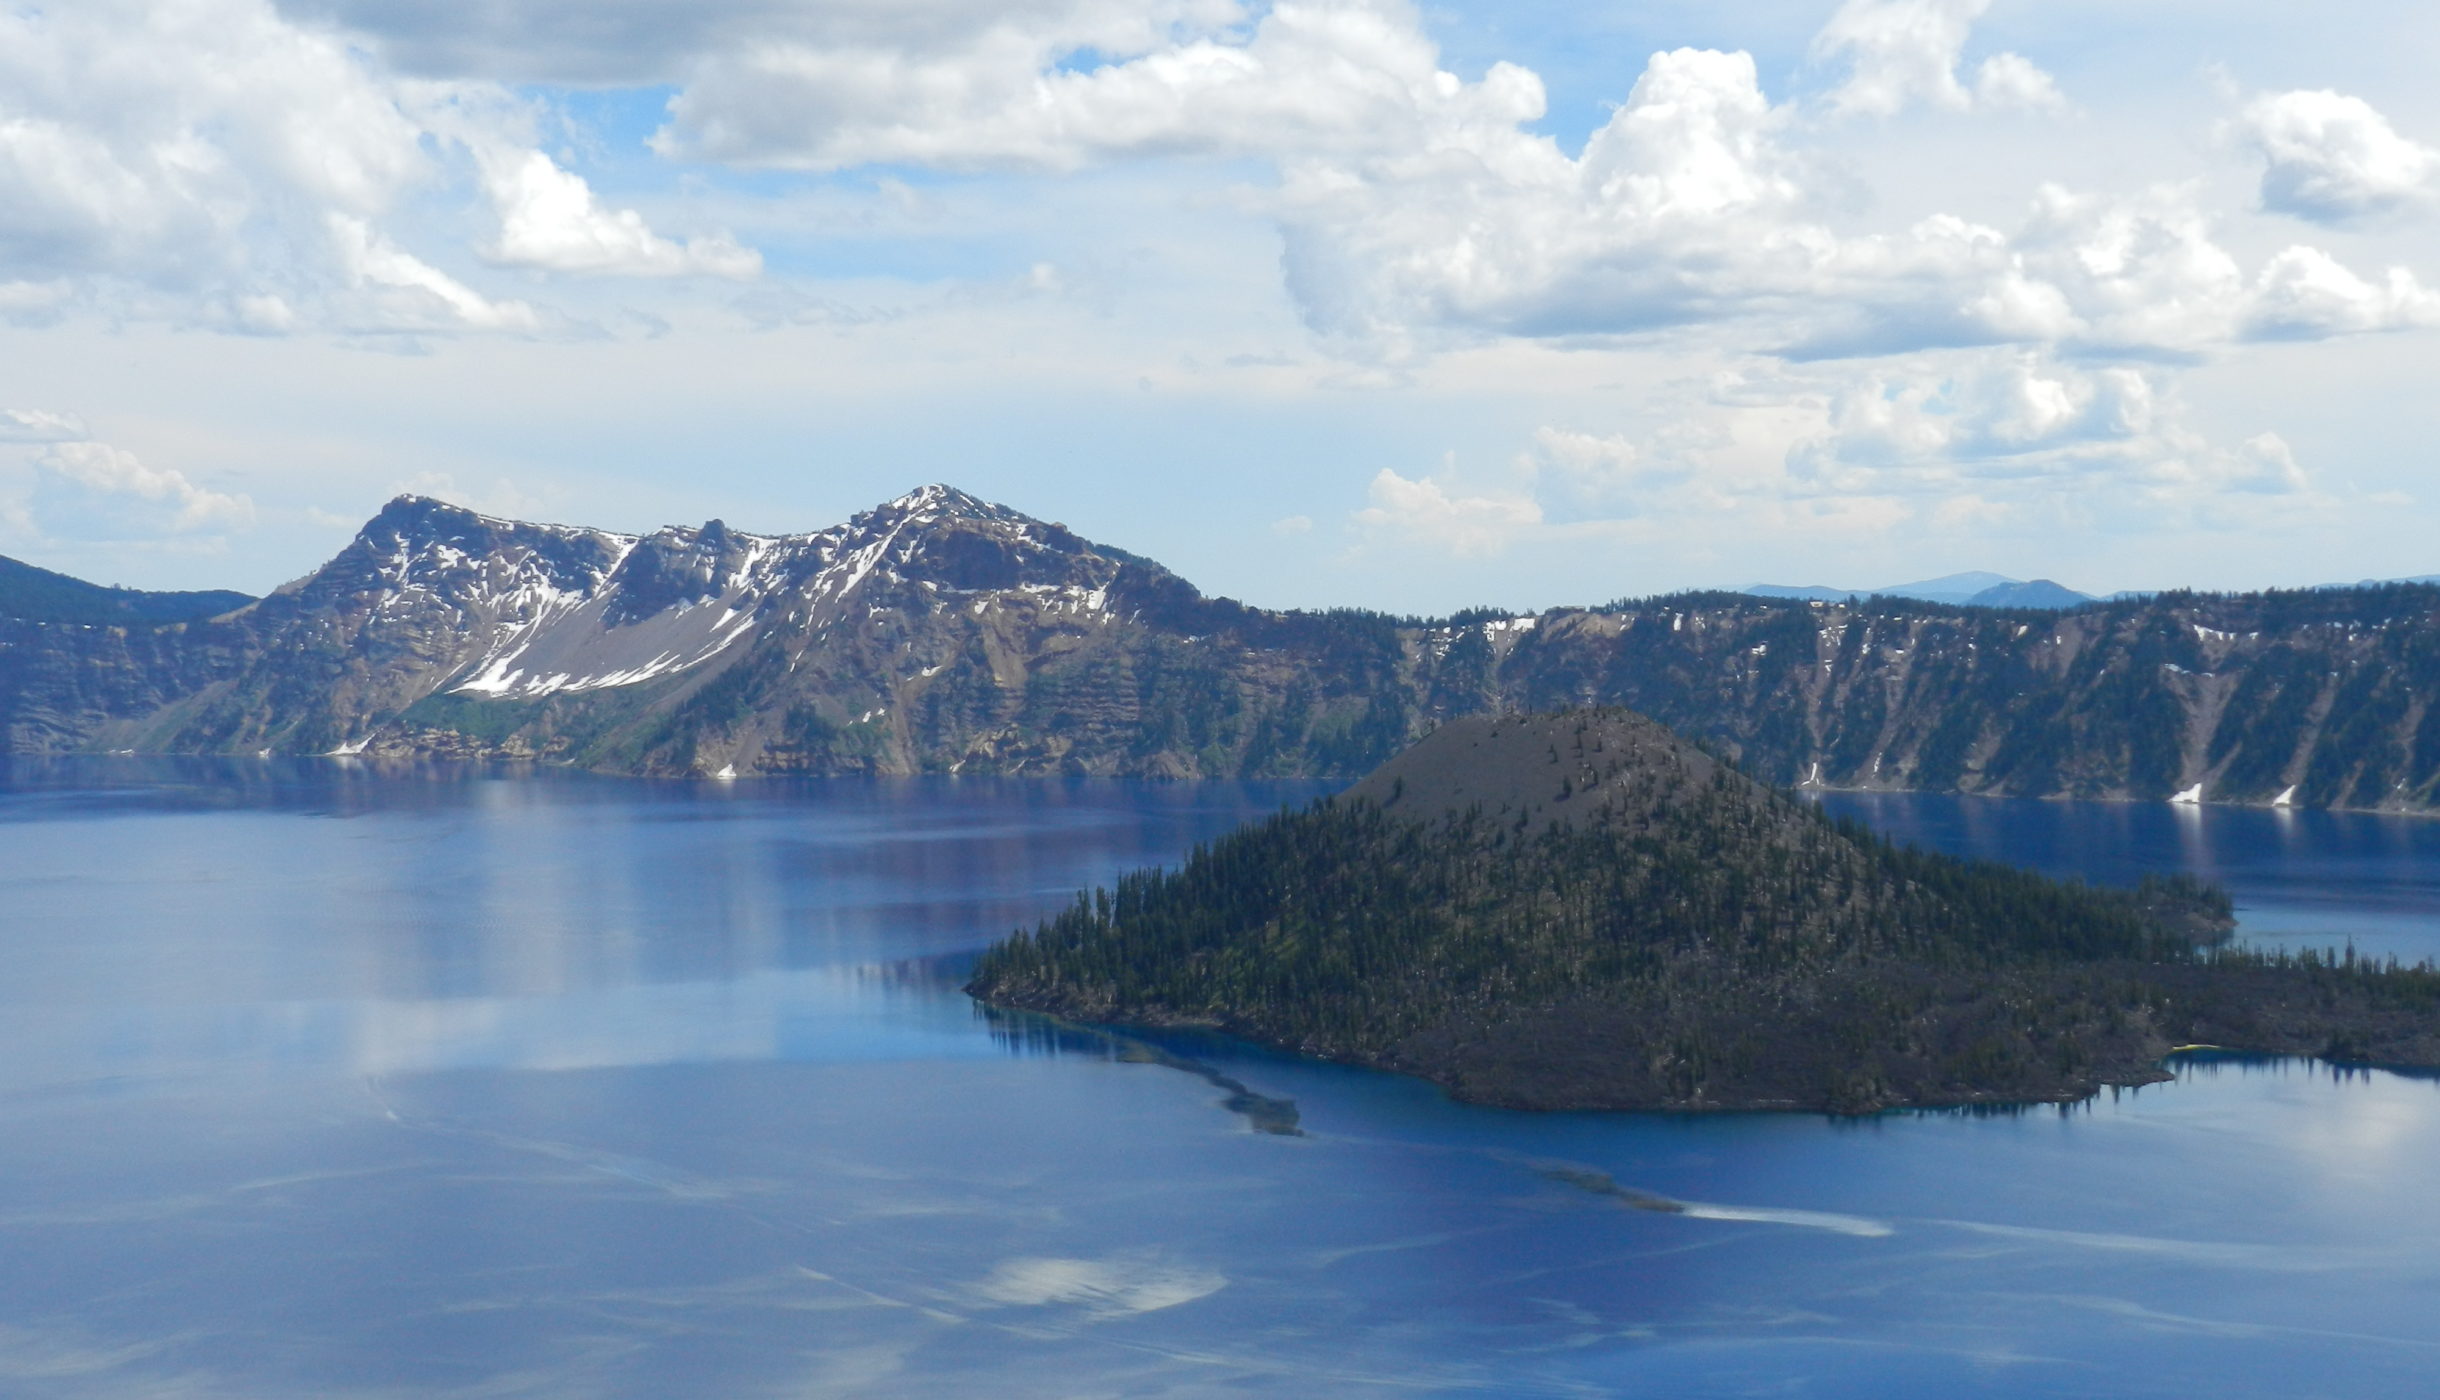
938,632
30,593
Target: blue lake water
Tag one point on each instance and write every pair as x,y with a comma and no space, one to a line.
316,1082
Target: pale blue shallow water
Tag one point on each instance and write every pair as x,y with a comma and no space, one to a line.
318,1083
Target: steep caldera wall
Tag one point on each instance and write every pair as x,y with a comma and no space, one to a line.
2321,698
940,633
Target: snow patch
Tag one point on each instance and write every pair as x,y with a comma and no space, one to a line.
2191,797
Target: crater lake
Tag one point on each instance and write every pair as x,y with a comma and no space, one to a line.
324,1080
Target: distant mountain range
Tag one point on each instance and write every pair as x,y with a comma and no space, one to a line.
1988,590
941,633
1978,590
2384,582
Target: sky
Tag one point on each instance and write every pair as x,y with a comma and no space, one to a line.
1325,303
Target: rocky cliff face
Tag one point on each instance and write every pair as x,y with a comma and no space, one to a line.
940,633
2320,698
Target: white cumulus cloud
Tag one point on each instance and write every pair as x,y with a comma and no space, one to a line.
1903,52
550,220
1170,78
235,164
94,491
640,43
194,152
1688,208
2006,80
39,425
399,291
216,163
1420,210
2264,464
2305,294
1678,210
1977,441
1428,512
2330,157
80,489
1596,471
2013,432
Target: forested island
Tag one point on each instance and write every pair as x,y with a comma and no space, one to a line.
1580,910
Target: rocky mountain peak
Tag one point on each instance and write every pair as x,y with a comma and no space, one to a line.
420,543
944,538
677,566
942,499
418,520
411,527
939,509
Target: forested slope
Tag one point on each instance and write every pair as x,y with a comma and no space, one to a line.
1579,911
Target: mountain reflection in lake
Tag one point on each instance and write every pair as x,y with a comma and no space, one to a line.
317,1081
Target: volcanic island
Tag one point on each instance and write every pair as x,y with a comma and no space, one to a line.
1583,910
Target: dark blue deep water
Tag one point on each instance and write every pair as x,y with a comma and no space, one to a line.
316,1082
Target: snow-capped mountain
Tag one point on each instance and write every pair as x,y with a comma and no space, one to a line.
941,633
440,629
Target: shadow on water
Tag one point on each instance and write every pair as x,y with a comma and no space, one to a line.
2210,1061
1032,1033
2194,1062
